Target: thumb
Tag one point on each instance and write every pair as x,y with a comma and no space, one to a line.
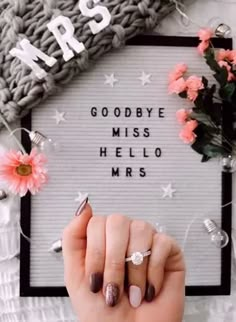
74,246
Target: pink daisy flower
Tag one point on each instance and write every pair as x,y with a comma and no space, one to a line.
23,172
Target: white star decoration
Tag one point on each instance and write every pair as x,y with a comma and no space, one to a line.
110,80
81,197
168,191
59,117
145,78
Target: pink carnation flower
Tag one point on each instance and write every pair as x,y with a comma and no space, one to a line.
23,172
179,71
229,55
187,134
182,115
231,76
205,34
177,86
191,125
202,47
194,83
192,95
223,54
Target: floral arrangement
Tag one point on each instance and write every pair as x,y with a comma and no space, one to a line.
202,124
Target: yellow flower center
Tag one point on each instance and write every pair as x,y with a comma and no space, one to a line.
24,170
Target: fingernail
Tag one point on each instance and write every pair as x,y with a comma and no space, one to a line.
83,200
96,282
112,294
150,293
135,296
56,247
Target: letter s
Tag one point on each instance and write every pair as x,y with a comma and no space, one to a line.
95,27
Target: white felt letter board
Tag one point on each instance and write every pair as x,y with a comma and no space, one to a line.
119,142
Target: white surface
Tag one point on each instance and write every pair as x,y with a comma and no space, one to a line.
12,308
82,136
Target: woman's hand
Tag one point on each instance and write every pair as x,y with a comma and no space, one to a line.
102,287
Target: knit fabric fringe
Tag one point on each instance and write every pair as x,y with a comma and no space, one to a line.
20,90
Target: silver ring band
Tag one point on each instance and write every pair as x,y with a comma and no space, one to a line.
138,257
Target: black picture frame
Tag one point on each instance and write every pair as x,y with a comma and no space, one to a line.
224,288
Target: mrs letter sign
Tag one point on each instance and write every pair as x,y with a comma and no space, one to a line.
29,54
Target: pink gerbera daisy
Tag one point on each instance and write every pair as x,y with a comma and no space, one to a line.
23,172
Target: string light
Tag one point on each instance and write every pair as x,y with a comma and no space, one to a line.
217,235
45,144
228,164
4,122
221,30
56,246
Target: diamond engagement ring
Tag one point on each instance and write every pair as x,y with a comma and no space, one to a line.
138,257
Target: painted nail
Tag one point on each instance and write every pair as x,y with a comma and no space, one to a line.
56,247
3,194
150,293
96,282
112,294
135,296
82,203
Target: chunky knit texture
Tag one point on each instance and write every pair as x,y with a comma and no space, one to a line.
20,89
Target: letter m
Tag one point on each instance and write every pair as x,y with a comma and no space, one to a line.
30,54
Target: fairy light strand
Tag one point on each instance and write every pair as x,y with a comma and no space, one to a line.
4,122
178,6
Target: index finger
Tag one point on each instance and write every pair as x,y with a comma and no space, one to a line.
74,247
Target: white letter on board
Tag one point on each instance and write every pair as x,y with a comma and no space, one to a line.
66,38
29,54
95,27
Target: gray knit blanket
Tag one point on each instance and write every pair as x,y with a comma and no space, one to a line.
20,89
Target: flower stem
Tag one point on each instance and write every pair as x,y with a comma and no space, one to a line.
4,122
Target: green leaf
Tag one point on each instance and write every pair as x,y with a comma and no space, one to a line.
198,145
216,113
207,149
205,158
212,90
212,150
204,81
205,133
183,94
227,91
222,76
211,61
200,117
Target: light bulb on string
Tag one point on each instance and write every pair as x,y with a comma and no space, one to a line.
228,164
221,29
41,141
217,235
45,144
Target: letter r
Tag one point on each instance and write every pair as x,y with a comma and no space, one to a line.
67,38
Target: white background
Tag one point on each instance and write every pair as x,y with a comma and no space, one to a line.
12,308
